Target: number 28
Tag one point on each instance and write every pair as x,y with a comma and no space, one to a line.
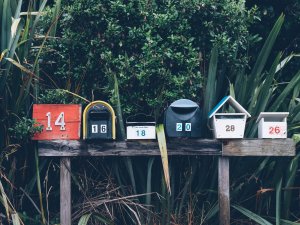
60,121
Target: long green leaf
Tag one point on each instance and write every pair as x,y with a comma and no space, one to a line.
4,198
6,25
260,100
278,201
15,219
119,109
291,176
38,181
128,163
265,52
21,67
285,61
149,176
55,17
210,88
258,219
285,222
288,89
163,153
84,219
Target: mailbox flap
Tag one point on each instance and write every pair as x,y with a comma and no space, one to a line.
102,114
184,103
272,116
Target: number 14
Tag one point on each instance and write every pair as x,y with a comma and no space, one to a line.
60,121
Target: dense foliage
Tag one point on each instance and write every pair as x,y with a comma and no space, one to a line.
157,50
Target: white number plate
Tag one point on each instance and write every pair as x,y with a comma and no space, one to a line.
140,132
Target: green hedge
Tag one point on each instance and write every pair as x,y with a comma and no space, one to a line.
157,50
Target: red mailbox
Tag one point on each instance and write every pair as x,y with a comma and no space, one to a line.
59,121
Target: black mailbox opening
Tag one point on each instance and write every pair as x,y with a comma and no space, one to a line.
183,119
99,115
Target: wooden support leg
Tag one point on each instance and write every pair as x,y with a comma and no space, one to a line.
224,199
65,191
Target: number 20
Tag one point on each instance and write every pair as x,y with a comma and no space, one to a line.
60,121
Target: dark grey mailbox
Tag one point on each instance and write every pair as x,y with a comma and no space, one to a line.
183,119
99,121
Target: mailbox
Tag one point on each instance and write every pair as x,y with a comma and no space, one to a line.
228,125
272,124
60,121
99,121
183,119
140,126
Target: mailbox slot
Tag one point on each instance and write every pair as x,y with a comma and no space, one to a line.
99,115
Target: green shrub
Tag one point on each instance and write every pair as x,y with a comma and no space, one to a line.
25,128
158,50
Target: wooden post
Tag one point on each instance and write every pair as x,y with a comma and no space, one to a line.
223,191
65,191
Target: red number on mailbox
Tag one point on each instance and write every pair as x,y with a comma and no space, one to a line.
275,130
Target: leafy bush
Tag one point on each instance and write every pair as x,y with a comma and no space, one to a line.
57,96
25,128
157,50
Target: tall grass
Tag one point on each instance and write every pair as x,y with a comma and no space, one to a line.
18,82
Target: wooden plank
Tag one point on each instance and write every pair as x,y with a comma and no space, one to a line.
65,191
223,191
259,147
185,147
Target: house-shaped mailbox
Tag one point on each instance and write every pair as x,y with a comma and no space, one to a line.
272,124
140,127
228,125
99,121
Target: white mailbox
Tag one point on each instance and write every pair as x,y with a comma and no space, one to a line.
272,124
143,127
228,125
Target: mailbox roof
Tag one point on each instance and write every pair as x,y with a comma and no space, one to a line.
234,104
184,103
272,115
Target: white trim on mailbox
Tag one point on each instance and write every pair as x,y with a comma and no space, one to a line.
232,102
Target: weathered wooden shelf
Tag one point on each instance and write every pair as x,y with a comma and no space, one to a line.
176,147
187,147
